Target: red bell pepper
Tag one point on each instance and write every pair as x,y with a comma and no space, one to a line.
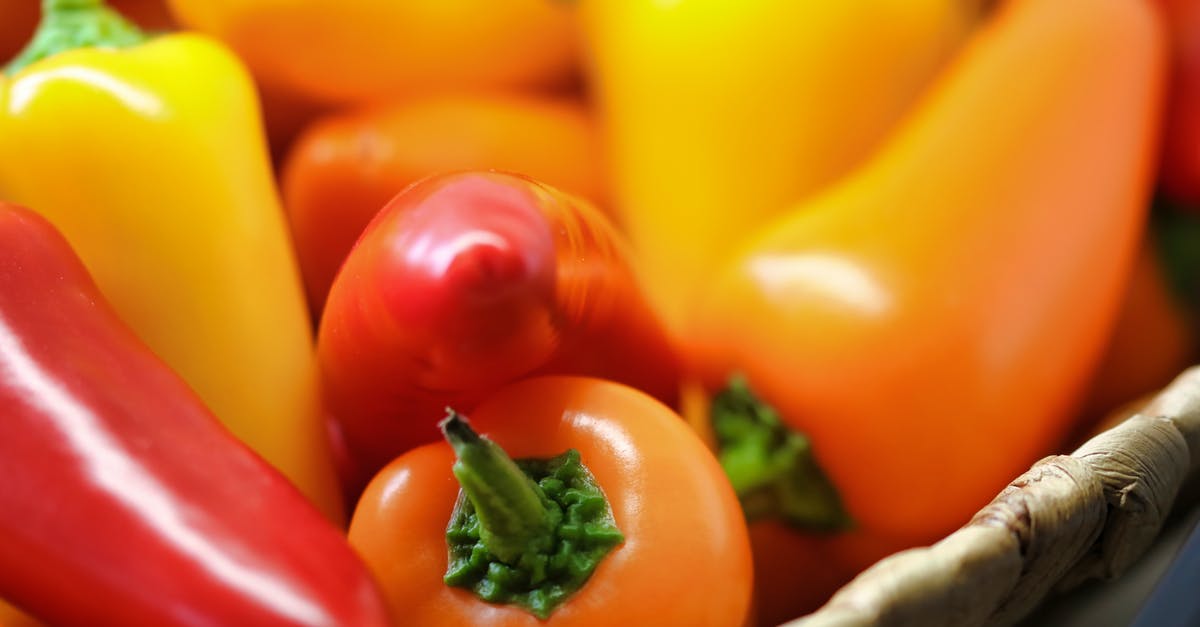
123,500
466,282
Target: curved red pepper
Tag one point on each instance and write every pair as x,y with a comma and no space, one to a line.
123,500
466,282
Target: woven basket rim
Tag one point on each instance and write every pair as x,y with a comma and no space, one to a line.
1068,519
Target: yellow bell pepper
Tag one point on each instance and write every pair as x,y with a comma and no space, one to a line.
722,114
149,156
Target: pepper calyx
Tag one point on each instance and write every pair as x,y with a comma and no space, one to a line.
523,532
72,24
772,467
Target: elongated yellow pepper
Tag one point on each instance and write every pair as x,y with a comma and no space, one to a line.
149,156
721,114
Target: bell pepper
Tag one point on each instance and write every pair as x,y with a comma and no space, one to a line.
718,115
125,501
1180,169
348,165
466,282
148,154
679,554
925,328
373,50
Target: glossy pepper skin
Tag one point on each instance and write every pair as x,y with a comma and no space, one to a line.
938,313
685,557
348,165
373,50
466,282
125,501
719,115
1180,169
150,159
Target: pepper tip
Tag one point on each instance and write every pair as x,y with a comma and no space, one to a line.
456,429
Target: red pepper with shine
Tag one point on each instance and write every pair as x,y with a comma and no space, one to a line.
123,500
466,282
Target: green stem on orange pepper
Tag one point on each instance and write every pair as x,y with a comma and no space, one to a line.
527,532
772,467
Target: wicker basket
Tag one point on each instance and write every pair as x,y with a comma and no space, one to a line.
1069,519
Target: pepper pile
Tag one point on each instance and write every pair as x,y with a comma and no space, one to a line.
517,313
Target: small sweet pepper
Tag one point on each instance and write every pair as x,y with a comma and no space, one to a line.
347,165
926,327
615,515
466,282
124,500
148,155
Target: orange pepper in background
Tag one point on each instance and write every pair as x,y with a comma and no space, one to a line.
718,115
938,313
365,50
685,557
347,165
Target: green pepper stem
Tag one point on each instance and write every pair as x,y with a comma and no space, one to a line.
71,24
771,467
512,514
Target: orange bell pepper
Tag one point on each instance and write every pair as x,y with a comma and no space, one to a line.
939,312
683,555
367,50
348,165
